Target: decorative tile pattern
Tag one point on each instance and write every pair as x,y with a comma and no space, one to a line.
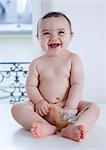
12,80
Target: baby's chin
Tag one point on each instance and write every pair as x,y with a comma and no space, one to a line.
55,52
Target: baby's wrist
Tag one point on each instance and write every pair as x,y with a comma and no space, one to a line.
71,105
37,102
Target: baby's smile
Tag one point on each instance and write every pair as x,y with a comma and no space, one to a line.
54,45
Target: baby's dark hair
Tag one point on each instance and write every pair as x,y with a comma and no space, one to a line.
55,14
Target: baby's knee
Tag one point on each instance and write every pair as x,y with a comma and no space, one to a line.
96,109
15,109
19,108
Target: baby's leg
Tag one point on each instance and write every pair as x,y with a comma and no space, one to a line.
85,121
25,115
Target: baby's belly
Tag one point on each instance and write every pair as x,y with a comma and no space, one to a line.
54,92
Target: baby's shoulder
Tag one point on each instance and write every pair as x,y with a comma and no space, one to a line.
37,60
35,63
73,56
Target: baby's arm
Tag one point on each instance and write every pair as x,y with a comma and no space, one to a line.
33,92
76,82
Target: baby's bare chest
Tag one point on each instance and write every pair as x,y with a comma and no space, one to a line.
55,70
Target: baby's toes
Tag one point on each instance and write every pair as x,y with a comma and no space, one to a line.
77,135
34,133
82,135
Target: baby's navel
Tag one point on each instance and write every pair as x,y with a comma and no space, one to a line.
58,98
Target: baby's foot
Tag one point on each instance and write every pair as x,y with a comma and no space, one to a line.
74,132
42,130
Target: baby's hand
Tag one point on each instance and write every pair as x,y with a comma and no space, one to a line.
42,107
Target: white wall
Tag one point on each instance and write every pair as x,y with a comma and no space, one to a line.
16,47
88,23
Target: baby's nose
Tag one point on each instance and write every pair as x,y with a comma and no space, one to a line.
53,37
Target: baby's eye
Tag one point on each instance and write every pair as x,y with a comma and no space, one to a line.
61,32
46,33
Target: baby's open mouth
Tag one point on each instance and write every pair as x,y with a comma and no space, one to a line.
54,45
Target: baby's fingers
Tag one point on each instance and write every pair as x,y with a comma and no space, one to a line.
45,111
41,113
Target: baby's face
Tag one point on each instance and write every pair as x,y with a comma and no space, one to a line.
54,35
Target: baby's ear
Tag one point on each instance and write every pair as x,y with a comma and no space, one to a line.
37,36
72,34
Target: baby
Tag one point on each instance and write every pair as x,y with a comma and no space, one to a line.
55,85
